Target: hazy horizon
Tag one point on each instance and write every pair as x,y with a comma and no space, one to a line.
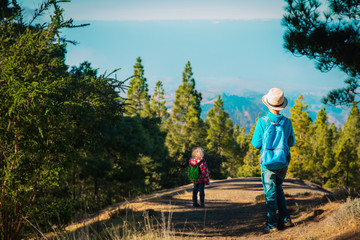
233,45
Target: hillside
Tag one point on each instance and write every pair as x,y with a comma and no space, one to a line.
244,107
235,209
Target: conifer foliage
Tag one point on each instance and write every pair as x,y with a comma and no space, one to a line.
186,125
138,98
328,33
303,129
219,129
34,134
241,148
250,166
322,158
220,140
157,103
322,153
347,167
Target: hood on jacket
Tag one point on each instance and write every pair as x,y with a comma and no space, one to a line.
195,161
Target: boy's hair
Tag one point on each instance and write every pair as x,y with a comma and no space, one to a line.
197,152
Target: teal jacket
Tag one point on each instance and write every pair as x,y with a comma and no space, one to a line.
260,129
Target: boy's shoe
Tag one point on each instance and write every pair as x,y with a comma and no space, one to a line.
196,205
268,229
202,205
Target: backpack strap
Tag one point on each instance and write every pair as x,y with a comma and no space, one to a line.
266,120
281,122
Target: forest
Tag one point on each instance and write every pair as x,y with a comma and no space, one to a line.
74,141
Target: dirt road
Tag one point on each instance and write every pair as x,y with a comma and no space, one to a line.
235,209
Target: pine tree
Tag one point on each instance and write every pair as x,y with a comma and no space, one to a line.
303,129
220,137
33,133
186,128
157,103
219,129
334,133
322,160
186,122
239,151
138,93
250,167
309,23
242,139
347,169
194,128
351,128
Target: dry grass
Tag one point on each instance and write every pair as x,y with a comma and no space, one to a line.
342,223
346,220
349,211
132,226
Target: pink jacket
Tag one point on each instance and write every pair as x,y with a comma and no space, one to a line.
204,172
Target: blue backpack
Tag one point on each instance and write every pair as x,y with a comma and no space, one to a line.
275,152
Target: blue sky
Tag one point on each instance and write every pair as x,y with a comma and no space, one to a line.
233,45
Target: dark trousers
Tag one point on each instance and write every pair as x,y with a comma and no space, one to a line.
199,188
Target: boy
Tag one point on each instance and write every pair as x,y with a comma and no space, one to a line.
272,175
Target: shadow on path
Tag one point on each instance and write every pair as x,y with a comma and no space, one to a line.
234,208
227,218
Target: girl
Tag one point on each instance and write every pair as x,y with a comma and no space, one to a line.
203,179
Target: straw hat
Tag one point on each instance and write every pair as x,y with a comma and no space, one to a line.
275,99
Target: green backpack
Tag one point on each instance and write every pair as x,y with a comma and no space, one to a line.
193,173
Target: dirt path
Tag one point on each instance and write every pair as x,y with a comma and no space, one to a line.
235,209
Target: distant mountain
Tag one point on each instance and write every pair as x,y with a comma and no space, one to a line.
245,107
242,110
